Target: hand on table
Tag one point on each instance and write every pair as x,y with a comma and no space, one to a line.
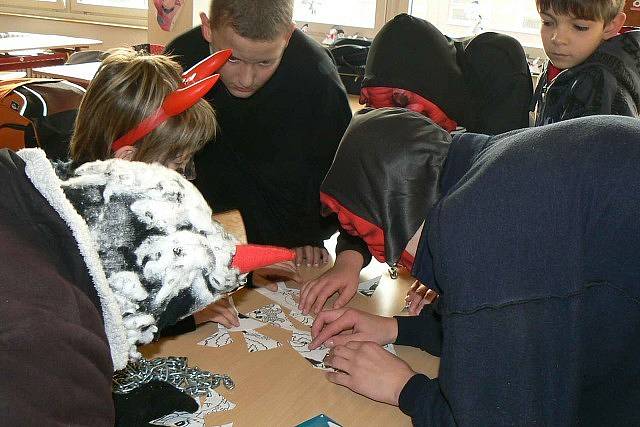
338,327
369,369
278,272
342,278
418,296
311,256
221,311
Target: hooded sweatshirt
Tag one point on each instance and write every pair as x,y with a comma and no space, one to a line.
410,53
534,251
608,82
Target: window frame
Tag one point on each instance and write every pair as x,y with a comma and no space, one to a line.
70,10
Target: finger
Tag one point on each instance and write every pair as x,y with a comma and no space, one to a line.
304,290
413,306
308,254
339,378
329,329
324,293
299,256
227,317
414,286
312,295
343,299
337,362
324,318
324,255
317,256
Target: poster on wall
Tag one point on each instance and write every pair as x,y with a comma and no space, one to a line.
167,12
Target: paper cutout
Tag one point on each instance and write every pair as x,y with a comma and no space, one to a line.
273,315
300,342
368,287
219,339
258,342
286,297
305,319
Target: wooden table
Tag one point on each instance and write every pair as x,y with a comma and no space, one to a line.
81,74
277,387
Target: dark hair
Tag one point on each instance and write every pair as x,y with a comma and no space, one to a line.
253,19
594,10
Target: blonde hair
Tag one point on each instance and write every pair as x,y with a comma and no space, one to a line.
128,87
593,10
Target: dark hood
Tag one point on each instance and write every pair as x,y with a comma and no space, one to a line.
621,56
410,53
387,169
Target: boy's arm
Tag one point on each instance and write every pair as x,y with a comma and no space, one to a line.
591,93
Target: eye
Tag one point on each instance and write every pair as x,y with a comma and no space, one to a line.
546,23
233,60
581,27
177,251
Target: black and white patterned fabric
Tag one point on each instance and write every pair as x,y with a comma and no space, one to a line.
147,236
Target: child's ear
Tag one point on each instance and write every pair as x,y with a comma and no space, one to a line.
206,27
125,153
613,27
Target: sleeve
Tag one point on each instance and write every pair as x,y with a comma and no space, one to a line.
423,331
422,400
346,242
185,325
592,93
331,115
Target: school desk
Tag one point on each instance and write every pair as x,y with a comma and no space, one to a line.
16,49
80,74
16,41
277,387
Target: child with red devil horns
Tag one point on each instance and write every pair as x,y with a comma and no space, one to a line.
115,245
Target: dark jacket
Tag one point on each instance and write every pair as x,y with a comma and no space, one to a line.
534,251
54,353
274,148
608,82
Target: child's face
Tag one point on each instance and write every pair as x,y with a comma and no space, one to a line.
253,61
569,41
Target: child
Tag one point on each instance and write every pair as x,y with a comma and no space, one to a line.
533,249
593,67
146,80
282,110
101,255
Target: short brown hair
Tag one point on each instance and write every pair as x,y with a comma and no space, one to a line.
253,19
128,87
593,10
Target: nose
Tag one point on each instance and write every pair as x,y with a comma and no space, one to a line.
246,76
559,36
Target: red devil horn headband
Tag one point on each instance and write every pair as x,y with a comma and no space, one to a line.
194,86
175,103
206,67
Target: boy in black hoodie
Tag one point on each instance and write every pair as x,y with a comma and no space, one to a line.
594,64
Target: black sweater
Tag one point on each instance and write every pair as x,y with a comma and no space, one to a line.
275,147
534,250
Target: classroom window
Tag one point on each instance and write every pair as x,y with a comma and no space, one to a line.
459,18
87,10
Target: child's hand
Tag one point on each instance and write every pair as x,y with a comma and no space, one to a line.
311,256
342,278
418,296
278,272
221,311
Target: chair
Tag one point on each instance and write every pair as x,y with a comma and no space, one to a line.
84,56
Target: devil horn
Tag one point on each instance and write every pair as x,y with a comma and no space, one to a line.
206,67
252,257
184,98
